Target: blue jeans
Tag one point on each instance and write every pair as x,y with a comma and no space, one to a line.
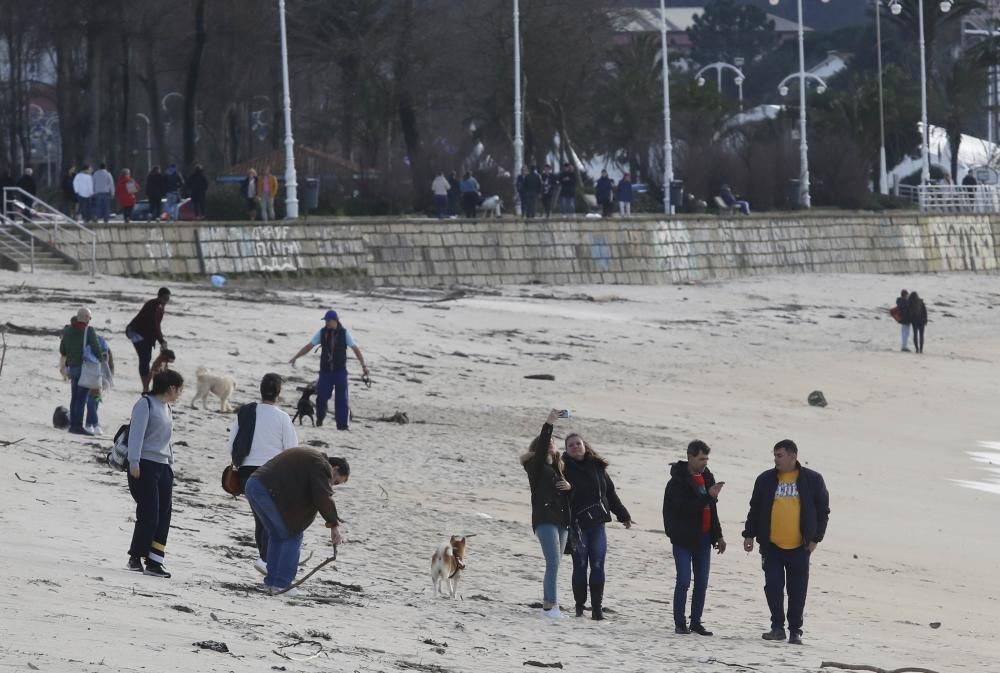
102,206
92,402
334,383
553,541
567,205
282,547
173,199
440,205
701,560
778,564
86,207
77,399
590,550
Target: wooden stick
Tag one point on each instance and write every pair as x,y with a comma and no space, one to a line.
310,574
874,669
3,353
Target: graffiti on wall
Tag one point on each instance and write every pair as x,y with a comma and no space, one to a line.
965,244
268,248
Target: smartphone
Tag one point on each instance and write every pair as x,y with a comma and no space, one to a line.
564,413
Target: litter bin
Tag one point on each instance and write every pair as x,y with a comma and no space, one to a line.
676,195
310,193
792,194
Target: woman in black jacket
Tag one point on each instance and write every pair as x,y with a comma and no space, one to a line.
594,498
918,320
549,507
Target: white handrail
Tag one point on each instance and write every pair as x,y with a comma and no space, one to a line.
40,212
953,198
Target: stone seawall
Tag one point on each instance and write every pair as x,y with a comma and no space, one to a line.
642,250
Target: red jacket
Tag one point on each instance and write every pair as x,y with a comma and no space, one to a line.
124,197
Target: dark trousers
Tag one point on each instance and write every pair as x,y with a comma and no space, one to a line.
440,205
591,550
530,199
453,198
700,561
153,495
155,208
469,202
198,203
547,203
144,349
333,383
785,567
127,213
918,337
607,207
78,397
259,529
86,207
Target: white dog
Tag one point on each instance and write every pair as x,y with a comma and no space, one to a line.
492,206
447,565
220,386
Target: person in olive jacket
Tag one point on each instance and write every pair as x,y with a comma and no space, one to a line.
594,498
550,508
691,521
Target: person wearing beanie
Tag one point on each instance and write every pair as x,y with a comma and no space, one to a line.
333,340
75,338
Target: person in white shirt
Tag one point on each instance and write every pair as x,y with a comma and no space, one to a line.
440,188
271,433
83,185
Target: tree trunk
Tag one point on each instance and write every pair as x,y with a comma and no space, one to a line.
191,84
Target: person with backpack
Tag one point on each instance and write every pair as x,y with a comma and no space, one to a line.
260,432
918,320
150,473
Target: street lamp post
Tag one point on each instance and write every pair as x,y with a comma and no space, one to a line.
883,178
149,142
719,66
518,137
668,159
804,198
291,179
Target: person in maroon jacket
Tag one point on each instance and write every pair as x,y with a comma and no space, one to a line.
144,331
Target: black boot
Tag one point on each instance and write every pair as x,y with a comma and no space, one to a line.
580,594
597,600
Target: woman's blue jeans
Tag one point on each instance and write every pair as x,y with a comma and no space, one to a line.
553,541
591,550
77,399
282,547
700,560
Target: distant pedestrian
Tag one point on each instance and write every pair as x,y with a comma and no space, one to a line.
286,494
76,337
454,194
691,521
624,196
253,444
83,185
197,185
918,320
593,502
470,195
125,191
440,189
156,190
267,188
550,508
604,191
248,190
567,190
902,316
550,189
144,332
174,184
151,474
789,511
104,191
519,188
532,188
69,203
28,185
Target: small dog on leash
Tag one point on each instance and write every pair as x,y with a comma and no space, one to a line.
162,361
447,565
305,406
220,386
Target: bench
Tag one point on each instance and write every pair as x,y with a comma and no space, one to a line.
725,209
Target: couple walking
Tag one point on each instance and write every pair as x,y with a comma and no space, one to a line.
911,313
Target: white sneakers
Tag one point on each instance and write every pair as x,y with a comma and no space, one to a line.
553,613
291,593
95,430
260,566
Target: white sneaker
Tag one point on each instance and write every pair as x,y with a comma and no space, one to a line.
291,593
260,566
553,613
96,429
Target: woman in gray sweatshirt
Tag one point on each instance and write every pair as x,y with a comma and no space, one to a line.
150,476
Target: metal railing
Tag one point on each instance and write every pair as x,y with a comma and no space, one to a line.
952,198
43,221
11,240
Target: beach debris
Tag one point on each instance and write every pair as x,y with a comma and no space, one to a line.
4,442
398,417
874,669
541,377
3,353
816,399
182,608
213,645
935,625
20,330
310,573
539,664
293,656
319,443
431,641
218,281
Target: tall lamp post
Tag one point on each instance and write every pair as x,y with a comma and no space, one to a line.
149,142
668,159
925,146
883,177
719,66
291,179
804,198
518,138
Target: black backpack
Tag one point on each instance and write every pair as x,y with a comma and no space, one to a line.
118,458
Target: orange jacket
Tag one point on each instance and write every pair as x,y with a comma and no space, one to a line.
273,184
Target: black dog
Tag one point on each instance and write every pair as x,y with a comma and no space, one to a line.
305,406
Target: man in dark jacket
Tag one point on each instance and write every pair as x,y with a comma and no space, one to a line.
286,493
550,186
144,331
604,191
333,340
197,185
691,521
532,186
789,510
903,308
156,189
567,190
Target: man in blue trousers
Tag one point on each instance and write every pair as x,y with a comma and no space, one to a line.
333,340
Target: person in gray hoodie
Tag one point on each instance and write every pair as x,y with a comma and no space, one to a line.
150,472
104,191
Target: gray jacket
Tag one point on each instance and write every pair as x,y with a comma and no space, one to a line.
103,182
149,432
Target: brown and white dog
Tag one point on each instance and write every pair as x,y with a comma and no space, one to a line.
447,565
162,361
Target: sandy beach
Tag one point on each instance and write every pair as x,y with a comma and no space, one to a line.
905,576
